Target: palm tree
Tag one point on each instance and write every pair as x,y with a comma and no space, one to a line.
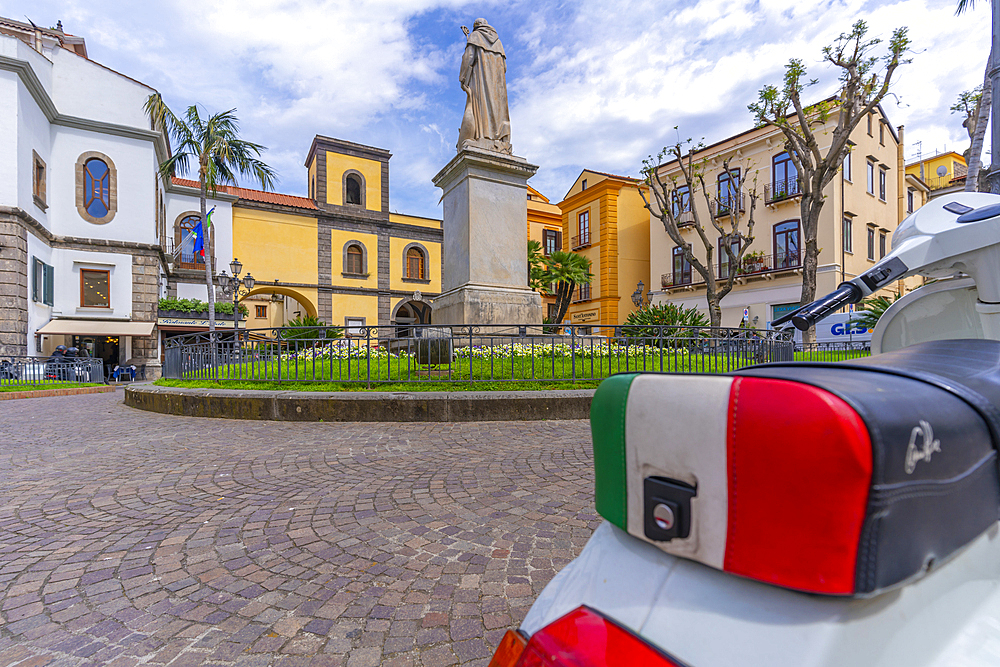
874,308
221,155
566,270
536,267
982,114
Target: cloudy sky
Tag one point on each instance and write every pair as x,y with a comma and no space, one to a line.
592,84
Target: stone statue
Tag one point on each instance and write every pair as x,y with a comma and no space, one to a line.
486,122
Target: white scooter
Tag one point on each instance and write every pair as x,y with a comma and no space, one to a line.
805,514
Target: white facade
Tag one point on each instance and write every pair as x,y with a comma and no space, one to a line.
57,110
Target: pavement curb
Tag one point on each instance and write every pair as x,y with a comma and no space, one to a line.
43,393
431,406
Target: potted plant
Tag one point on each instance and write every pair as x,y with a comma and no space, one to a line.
753,262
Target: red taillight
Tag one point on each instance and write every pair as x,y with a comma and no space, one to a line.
584,638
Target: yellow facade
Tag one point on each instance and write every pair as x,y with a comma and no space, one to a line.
544,222
939,171
339,239
401,219
278,246
397,264
864,204
617,244
337,165
354,306
296,247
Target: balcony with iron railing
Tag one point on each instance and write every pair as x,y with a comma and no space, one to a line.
750,266
580,241
684,218
582,293
182,259
724,204
780,191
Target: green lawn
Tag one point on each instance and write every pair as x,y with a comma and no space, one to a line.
46,385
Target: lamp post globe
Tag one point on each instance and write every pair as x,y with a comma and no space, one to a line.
236,266
249,281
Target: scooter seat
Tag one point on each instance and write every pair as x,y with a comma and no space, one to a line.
831,478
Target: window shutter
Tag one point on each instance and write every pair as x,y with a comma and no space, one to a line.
558,240
49,284
35,287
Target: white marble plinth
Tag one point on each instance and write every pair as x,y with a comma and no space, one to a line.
485,264
484,304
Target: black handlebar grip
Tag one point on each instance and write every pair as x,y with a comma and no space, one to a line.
834,301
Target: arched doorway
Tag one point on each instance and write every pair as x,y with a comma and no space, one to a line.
409,312
306,301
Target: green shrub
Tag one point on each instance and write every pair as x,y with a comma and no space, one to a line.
196,306
312,327
686,323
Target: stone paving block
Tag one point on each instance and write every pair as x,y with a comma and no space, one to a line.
202,541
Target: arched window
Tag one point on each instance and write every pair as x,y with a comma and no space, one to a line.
415,264
784,176
353,190
355,259
96,183
185,238
786,245
96,187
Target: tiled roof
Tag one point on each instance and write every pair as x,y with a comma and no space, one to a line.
620,178
255,195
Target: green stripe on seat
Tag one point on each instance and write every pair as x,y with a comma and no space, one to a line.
607,427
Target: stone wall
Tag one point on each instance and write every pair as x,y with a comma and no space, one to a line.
145,300
13,287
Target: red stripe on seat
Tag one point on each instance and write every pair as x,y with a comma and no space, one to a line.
800,465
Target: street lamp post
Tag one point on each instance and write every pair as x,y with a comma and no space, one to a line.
233,286
637,295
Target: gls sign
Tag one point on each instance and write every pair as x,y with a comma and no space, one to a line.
846,329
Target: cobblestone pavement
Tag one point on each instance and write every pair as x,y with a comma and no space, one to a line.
131,538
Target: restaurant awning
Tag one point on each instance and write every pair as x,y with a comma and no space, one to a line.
98,328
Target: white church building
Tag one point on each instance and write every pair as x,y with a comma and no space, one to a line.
83,211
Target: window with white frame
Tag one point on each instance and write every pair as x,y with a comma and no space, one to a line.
848,235
871,177
353,325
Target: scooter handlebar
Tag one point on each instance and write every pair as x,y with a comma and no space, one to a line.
814,312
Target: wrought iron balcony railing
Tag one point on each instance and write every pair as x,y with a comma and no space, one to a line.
724,204
580,241
751,264
782,190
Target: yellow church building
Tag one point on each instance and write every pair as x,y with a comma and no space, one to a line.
339,254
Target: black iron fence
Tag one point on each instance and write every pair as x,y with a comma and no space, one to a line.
840,351
22,371
481,353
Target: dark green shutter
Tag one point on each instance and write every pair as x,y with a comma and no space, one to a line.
36,288
607,425
49,284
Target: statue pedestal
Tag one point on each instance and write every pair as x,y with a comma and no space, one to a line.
485,264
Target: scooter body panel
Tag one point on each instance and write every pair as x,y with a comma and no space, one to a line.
709,618
944,310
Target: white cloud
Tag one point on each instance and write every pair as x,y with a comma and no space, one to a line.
589,87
